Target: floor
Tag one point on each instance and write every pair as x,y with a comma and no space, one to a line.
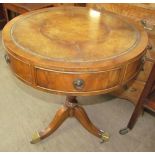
24,110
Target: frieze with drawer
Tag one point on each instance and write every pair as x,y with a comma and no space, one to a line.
21,68
76,81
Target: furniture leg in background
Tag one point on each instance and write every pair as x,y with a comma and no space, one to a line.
2,17
14,9
146,100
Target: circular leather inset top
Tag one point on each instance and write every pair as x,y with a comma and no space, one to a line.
75,35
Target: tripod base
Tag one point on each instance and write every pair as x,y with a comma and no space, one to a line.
70,109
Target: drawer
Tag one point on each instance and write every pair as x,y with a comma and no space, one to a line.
21,69
82,82
77,82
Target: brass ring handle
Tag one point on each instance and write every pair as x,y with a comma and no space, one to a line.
146,25
7,59
78,84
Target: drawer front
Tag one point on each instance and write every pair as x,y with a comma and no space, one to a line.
21,69
77,82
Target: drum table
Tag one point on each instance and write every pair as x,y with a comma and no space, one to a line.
74,51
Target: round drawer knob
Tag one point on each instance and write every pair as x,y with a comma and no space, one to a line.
78,84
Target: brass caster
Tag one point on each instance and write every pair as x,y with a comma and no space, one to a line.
35,138
104,136
124,131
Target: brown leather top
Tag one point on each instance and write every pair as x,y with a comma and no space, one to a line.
69,34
